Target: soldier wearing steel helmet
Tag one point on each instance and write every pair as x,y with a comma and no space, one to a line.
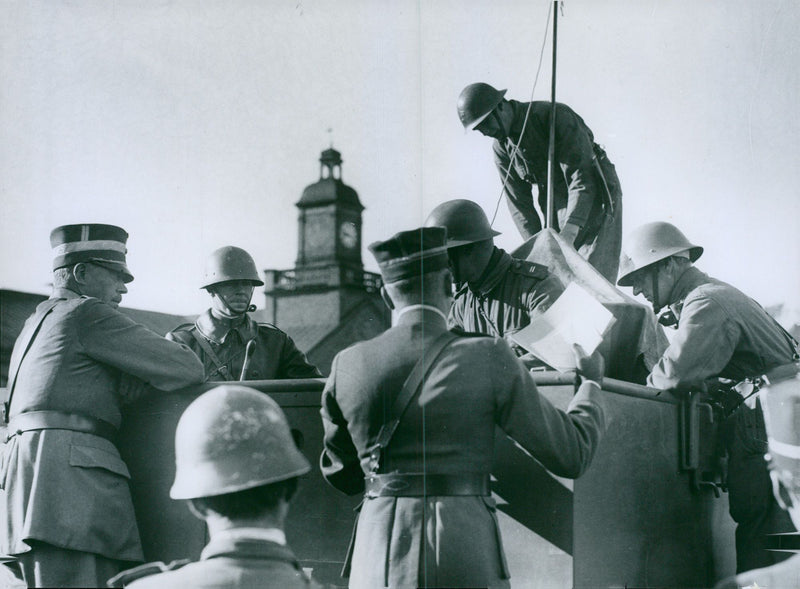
780,398
721,334
238,467
495,293
231,345
586,191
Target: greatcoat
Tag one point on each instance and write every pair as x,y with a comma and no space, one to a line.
68,488
476,384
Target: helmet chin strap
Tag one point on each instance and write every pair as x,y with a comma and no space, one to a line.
498,119
227,313
654,279
666,317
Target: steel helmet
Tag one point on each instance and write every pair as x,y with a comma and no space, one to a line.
651,243
475,103
230,439
230,263
464,220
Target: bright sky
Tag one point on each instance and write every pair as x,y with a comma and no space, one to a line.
197,124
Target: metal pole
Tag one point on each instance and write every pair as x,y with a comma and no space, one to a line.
548,378
551,148
610,385
295,385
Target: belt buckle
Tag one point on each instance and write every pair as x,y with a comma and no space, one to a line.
374,459
372,485
395,485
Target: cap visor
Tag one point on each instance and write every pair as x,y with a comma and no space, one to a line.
116,267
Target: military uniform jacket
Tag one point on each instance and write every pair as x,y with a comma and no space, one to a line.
275,355
236,562
476,384
724,333
510,293
721,332
67,488
581,195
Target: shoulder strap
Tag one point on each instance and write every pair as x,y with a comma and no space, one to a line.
527,268
25,345
221,368
411,389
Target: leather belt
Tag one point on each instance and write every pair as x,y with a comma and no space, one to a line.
37,420
421,485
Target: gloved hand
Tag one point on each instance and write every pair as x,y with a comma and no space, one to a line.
589,367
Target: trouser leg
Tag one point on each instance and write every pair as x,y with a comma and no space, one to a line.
752,504
46,565
603,251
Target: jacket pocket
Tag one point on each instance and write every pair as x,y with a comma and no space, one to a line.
91,457
491,507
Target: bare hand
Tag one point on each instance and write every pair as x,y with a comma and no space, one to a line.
589,367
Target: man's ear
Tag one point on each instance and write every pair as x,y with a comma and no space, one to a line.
671,266
387,300
79,273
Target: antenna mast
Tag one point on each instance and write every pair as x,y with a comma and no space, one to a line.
551,148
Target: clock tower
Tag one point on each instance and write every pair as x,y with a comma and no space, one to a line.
328,290
329,236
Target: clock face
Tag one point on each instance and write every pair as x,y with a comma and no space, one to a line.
348,234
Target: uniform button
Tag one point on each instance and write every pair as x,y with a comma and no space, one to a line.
255,373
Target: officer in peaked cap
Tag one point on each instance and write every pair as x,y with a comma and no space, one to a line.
721,334
237,466
66,512
495,293
231,345
420,449
587,198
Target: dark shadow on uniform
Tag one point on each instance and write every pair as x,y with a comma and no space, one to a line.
530,494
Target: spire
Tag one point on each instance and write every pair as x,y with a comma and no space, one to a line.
330,188
330,164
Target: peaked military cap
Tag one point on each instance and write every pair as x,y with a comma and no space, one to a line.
411,253
91,242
